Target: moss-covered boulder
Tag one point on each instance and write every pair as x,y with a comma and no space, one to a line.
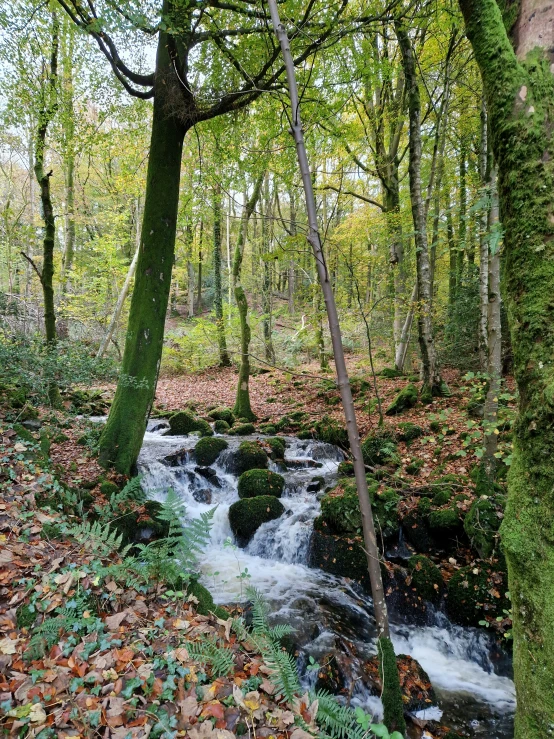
249,456
476,592
221,427
243,429
390,373
341,556
108,488
409,431
260,482
267,428
277,447
385,512
340,509
406,399
204,602
380,449
426,578
247,515
184,422
222,414
482,522
442,496
346,469
208,450
445,521
331,431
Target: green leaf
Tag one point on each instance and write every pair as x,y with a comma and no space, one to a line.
380,730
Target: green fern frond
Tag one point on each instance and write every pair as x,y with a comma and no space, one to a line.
208,651
279,631
99,538
338,720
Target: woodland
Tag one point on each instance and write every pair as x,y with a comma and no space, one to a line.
276,379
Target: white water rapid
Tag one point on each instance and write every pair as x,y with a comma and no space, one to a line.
467,672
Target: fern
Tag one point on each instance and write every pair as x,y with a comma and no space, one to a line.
98,538
208,651
340,721
131,493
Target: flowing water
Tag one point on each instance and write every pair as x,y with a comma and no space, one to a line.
468,673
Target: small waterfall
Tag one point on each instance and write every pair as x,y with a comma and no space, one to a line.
324,610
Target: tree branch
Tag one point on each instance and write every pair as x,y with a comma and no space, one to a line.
33,265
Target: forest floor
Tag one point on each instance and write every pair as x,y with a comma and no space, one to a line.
112,661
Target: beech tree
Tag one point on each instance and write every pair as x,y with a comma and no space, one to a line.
518,80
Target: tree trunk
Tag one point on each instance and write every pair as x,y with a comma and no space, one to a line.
266,278
242,407
520,101
119,305
124,431
462,216
494,353
484,172
224,360
392,698
431,377
46,275
200,256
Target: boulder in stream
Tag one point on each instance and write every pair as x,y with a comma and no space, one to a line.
417,691
247,515
260,482
208,450
223,414
478,592
184,422
249,456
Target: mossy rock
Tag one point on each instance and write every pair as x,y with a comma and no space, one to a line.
409,431
25,616
208,449
222,414
277,447
298,415
330,431
484,484
260,482
247,515
426,578
477,591
27,413
150,526
380,449
482,522
414,466
442,496
390,372
249,456
359,385
346,469
221,427
330,676
406,399
284,424
445,520
385,512
24,434
267,428
243,429
337,555
205,605
108,488
340,509
304,435
183,423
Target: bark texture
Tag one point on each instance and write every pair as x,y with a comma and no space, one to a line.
224,360
520,101
122,436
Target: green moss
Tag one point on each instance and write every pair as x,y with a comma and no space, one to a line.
208,449
243,429
108,488
424,506
183,422
476,591
221,427
385,512
267,428
205,605
277,446
249,456
331,431
346,469
380,449
426,578
393,707
481,525
25,616
247,515
340,509
390,372
222,414
445,519
260,482
337,555
442,496
414,466
51,531
406,399
409,431
24,434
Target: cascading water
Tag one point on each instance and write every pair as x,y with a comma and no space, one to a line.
474,692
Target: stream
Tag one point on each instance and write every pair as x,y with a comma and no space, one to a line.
470,675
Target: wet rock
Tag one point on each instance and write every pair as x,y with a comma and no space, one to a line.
260,482
247,515
209,474
302,464
154,425
32,424
315,485
208,449
417,691
476,592
330,676
176,459
249,456
202,496
338,555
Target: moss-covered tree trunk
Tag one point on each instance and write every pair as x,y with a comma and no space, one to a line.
242,407
224,360
122,436
432,384
519,87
